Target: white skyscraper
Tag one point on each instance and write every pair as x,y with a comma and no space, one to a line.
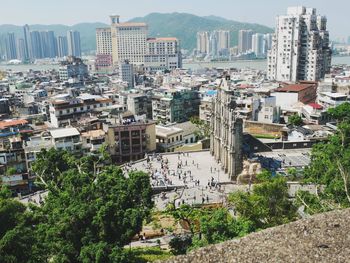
300,47
223,37
203,42
103,41
258,45
128,41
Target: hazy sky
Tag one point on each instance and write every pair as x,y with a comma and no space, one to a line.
71,12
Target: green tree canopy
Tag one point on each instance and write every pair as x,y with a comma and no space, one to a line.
295,120
267,205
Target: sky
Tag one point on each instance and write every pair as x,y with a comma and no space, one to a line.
71,12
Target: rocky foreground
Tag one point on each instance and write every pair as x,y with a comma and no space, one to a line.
321,238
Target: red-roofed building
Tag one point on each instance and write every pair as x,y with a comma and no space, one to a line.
289,95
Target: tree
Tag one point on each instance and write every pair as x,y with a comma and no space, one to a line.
340,113
203,127
90,213
18,241
295,120
267,205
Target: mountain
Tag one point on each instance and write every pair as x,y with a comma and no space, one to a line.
185,26
87,32
181,25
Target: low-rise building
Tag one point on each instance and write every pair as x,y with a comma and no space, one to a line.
67,139
73,68
130,139
331,100
168,138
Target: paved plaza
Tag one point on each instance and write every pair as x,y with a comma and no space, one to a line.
196,175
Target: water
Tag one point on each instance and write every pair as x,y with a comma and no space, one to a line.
254,64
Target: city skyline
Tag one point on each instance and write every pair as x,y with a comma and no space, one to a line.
247,11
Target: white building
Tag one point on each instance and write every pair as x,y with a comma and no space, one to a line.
300,48
258,45
331,100
245,41
128,41
67,139
203,42
103,41
163,53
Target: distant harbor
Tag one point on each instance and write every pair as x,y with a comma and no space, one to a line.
254,64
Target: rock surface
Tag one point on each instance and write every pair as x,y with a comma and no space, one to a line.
321,238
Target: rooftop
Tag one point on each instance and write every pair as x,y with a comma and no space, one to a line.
295,87
9,123
64,132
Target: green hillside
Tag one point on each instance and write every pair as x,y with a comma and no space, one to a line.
180,25
185,26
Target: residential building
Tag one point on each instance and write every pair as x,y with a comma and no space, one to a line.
289,95
93,140
74,45
128,41
73,67
11,50
226,131
130,139
27,43
36,44
67,139
245,41
258,45
175,105
163,54
300,48
140,104
269,112
126,73
203,42
62,46
168,138
65,110
331,100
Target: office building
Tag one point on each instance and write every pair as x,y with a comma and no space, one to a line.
203,42
11,50
163,54
300,48
62,46
245,41
49,44
74,45
128,41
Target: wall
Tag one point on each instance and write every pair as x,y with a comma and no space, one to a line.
254,127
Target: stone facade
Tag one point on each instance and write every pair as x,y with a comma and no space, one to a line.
227,131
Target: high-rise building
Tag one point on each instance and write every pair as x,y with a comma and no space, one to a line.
27,43
300,48
163,54
11,50
62,46
49,44
223,42
74,45
213,44
245,41
268,42
128,41
203,42
103,41
258,45
21,53
36,44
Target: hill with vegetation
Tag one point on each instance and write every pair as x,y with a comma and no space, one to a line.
185,26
